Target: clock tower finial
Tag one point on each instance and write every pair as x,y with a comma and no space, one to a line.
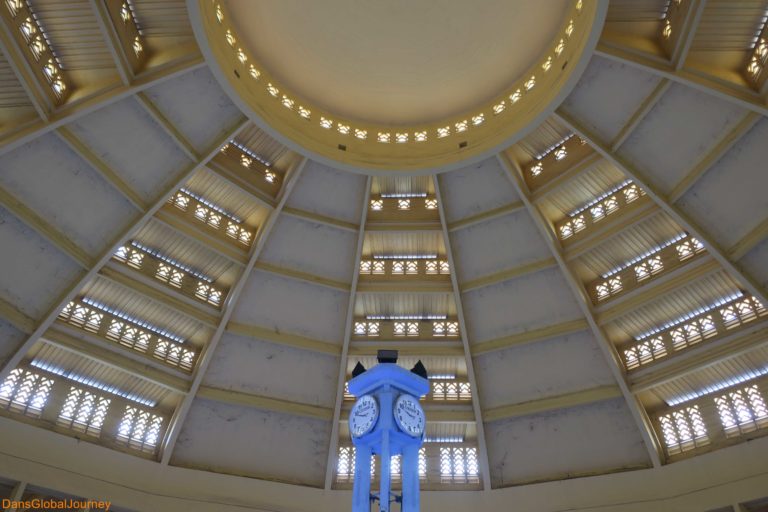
387,420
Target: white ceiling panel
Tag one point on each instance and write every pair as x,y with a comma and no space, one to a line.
35,272
754,262
498,244
252,442
310,247
10,339
330,192
677,133
63,189
590,439
527,302
476,189
254,366
608,94
730,198
291,306
125,137
212,115
542,369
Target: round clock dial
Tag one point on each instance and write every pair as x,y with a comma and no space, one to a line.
363,416
409,415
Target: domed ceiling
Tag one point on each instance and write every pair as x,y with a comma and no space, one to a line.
183,293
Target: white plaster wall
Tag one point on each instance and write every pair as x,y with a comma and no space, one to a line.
34,271
311,247
244,441
608,94
136,147
542,369
255,366
527,302
63,189
730,199
213,112
677,133
292,306
330,192
498,244
476,189
587,439
755,262
10,339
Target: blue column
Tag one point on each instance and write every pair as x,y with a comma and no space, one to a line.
410,468
361,490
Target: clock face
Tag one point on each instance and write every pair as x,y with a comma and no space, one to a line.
409,415
363,416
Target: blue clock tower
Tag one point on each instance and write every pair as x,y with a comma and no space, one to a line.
387,420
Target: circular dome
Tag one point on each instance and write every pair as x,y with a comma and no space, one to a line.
397,62
453,84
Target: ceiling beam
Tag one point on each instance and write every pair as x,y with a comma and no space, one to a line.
70,112
696,269
552,403
266,403
482,448
191,228
698,357
506,275
181,141
37,223
408,348
106,255
738,95
749,241
115,359
321,219
283,338
690,24
16,318
97,164
478,218
302,276
723,145
345,347
530,336
639,414
671,209
177,420
646,106
124,276
112,41
554,184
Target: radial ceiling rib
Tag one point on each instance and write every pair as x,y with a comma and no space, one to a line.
177,421
112,41
645,107
741,96
131,230
663,202
70,112
683,43
334,441
639,414
482,447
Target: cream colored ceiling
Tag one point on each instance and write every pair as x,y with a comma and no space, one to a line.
397,62
531,338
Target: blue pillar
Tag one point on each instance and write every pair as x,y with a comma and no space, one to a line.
410,468
361,490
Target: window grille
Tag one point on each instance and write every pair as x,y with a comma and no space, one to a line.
139,429
84,411
459,464
742,410
25,392
683,430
